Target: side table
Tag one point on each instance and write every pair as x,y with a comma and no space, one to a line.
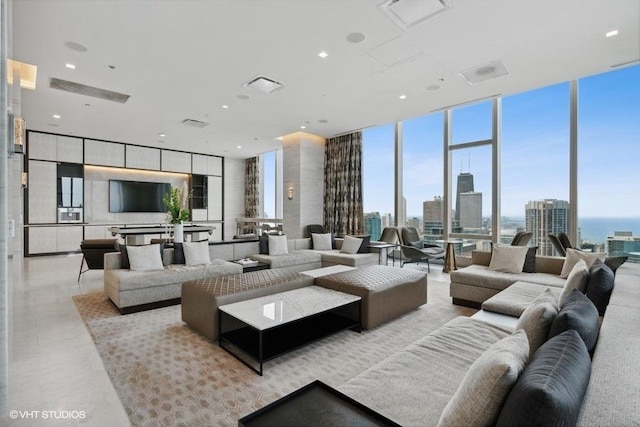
385,246
252,265
449,259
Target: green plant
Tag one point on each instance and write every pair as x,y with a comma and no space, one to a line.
176,203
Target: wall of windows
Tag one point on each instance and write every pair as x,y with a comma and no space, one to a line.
269,185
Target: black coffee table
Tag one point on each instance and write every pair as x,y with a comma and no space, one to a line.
315,405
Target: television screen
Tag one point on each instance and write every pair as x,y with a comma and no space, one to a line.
136,196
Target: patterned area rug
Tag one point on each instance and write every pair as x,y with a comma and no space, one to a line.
167,374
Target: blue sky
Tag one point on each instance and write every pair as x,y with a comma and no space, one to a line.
535,153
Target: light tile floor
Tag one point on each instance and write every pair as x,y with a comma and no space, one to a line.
53,364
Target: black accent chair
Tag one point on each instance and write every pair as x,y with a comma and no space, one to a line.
413,249
564,241
315,228
93,251
555,241
521,238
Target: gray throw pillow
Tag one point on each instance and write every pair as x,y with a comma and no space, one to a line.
537,318
577,279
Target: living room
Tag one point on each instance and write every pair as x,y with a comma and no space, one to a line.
374,77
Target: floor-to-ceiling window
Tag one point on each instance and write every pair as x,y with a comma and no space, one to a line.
269,186
422,175
535,165
378,171
609,162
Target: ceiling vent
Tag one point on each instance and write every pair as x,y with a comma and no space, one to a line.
263,84
194,123
409,13
487,71
88,90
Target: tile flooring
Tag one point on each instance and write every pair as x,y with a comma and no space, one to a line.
53,364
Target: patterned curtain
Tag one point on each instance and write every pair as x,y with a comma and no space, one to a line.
251,189
343,185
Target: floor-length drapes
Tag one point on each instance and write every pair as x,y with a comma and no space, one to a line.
343,185
251,188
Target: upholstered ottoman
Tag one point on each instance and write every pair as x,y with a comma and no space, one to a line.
386,292
201,298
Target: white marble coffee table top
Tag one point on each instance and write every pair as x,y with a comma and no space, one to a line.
277,309
324,271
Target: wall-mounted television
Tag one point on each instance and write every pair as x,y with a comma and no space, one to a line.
137,196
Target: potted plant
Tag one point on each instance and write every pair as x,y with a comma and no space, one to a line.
177,211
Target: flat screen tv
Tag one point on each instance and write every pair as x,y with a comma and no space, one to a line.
137,196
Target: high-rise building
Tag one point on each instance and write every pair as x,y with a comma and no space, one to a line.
465,185
624,243
432,214
414,222
373,225
544,217
471,210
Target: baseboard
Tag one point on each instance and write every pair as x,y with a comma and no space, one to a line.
148,306
467,303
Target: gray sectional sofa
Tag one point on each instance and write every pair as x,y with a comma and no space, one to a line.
413,387
302,257
137,290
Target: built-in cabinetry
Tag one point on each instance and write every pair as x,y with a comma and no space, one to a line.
41,204
57,148
142,158
176,161
47,240
103,153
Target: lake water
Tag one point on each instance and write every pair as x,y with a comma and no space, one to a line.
597,229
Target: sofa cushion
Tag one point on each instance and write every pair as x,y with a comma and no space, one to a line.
530,260
291,259
508,259
145,258
514,300
351,245
537,318
353,260
278,245
578,313
551,388
263,244
600,285
574,255
480,275
577,279
487,383
178,253
321,242
196,253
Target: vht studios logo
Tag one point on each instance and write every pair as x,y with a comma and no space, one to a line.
47,415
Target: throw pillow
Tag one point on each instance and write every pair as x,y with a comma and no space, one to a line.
278,245
178,253
417,244
263,244
537,318
145,258
351,245
196,253
574,255
599,285
551,388
364,246
321,242
614,262
124,255
577,280
578,313
530,260
508,259
487,383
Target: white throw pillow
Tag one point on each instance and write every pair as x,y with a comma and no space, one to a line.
487,383
321,242
508,259
574,255
278,245
537,318
145,258
196,253
351,245
577,280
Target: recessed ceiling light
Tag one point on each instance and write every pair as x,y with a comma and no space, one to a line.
70,66
355,37
403,96
56,116
612,33
225,107
162,135
239,147
303,127
323,54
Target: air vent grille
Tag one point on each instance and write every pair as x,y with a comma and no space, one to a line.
264,84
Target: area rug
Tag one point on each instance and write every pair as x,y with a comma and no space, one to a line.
166,374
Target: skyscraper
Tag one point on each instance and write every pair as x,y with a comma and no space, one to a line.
471,210
544,217
465,185
432,212
373,225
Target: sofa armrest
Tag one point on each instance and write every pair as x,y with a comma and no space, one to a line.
112,261
480,257
549,264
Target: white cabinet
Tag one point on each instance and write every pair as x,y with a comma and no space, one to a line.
176,161
142,157
199,215
42,192
103,153
214,196
45,146
207,165
47,240
70,150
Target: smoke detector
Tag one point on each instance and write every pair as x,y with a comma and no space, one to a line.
409,13
264,84
483,72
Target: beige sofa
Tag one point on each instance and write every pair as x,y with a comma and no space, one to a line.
412,387
132,291
303,257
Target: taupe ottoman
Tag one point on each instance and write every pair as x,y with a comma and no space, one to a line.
386,292
201,298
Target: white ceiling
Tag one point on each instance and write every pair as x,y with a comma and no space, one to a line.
185,59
